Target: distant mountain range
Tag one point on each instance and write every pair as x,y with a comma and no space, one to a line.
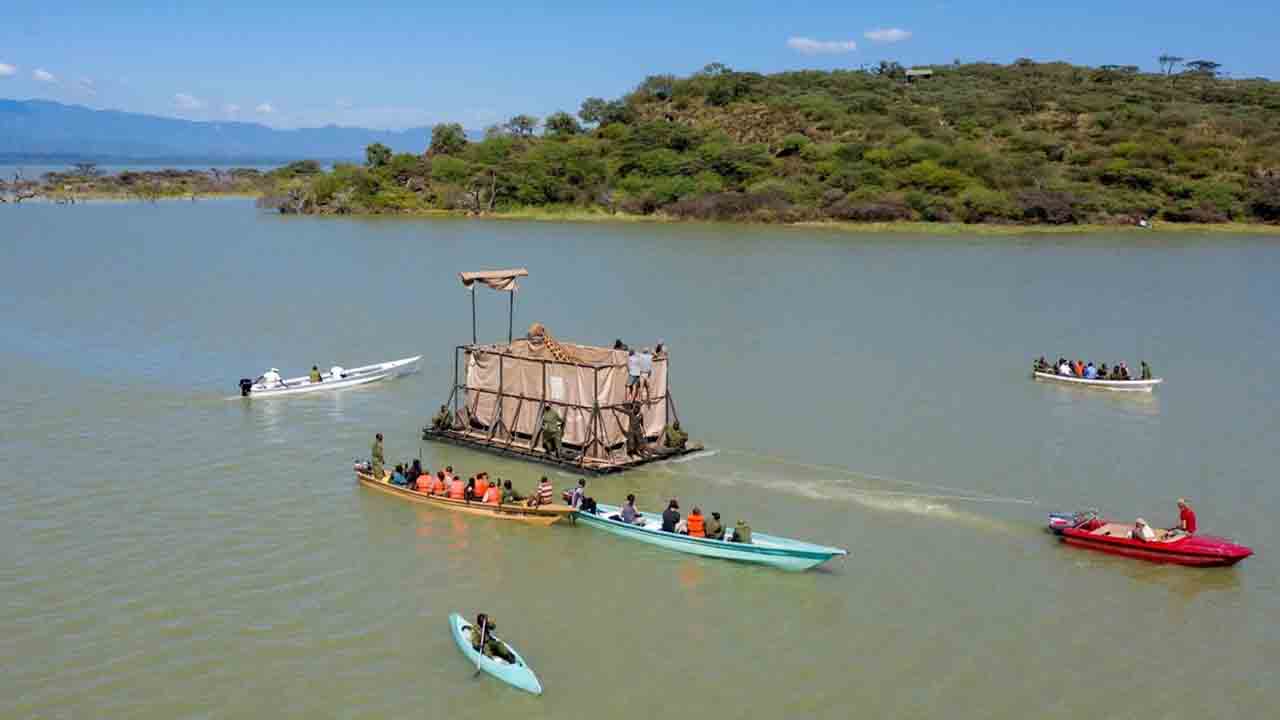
41,128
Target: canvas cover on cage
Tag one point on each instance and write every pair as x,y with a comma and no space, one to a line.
586,385
503,280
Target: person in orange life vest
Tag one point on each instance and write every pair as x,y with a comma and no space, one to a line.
457,489
492,496
697,526
438,486
482,485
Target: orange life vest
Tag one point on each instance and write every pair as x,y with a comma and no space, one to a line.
482,487
437,487
457,490
696,528
492,496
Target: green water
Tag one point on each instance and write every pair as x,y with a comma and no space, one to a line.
169,551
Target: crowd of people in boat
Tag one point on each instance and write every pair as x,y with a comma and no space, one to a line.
446,483
1089,371
696,524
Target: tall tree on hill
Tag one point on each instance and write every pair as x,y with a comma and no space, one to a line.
522,125
562,124
1208,68
377,155
1169,62
447,139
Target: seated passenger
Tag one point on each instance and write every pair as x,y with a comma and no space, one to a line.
542,495
1124,372
1146,371
1064,368
469,492
482,485
457,489
315,374
1102,371
715,530
438,486
397,477
414,471
578,493
742,533
697,526
509,495
1077,368
492,495
1186,517
671,516
629,514
1090,372
1142,531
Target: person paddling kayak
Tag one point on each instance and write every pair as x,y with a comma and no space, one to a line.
482,635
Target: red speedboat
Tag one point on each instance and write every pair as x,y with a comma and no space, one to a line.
1170,546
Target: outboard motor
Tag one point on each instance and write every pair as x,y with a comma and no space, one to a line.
245,385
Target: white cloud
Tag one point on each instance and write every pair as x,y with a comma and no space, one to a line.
887,35
43,75
187,101
809,46
231,108
7,70
265,109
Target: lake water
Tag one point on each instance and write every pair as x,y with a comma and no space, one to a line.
172,551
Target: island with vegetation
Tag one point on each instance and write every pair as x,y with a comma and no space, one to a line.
1045,144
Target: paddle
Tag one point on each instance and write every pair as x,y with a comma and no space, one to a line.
484,628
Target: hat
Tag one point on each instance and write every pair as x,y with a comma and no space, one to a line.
1182,501
273,370
1140,521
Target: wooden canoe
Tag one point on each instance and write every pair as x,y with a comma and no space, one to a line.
1130,385
541,515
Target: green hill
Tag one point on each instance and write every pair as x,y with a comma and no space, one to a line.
1023,143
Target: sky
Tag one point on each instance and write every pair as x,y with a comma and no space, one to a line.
393,65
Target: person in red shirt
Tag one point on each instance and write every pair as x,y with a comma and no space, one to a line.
1186,517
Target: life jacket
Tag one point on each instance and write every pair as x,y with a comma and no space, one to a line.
696,526
457,490
491,496
482,487
437,487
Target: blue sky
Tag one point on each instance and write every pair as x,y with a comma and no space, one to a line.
396,65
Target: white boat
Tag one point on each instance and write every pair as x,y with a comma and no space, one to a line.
344,378
1129,385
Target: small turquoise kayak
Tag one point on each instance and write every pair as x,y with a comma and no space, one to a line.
518,674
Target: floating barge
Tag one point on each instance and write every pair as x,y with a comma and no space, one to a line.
501,390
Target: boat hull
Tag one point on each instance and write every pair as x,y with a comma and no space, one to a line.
768,550
353,377
543,515
1116,385
518,675
1189,550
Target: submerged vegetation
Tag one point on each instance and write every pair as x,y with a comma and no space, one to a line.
1027,143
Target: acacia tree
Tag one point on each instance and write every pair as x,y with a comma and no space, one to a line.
562,124
377,155
522,125
1169,62
1208,68
447,139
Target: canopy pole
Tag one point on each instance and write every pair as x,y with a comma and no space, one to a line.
511,315
473,316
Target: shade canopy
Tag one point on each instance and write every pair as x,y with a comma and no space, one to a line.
497,279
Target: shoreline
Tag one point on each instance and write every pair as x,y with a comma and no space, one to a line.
583,215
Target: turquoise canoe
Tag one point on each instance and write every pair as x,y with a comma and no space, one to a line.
518,675
764,549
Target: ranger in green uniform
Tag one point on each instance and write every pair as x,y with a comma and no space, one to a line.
442,420
1146,371
375,457
675,438
742,532
552,431
315,374
635,431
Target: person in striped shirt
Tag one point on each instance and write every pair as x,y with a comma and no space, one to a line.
543,494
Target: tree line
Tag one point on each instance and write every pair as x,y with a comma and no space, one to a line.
1026,142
